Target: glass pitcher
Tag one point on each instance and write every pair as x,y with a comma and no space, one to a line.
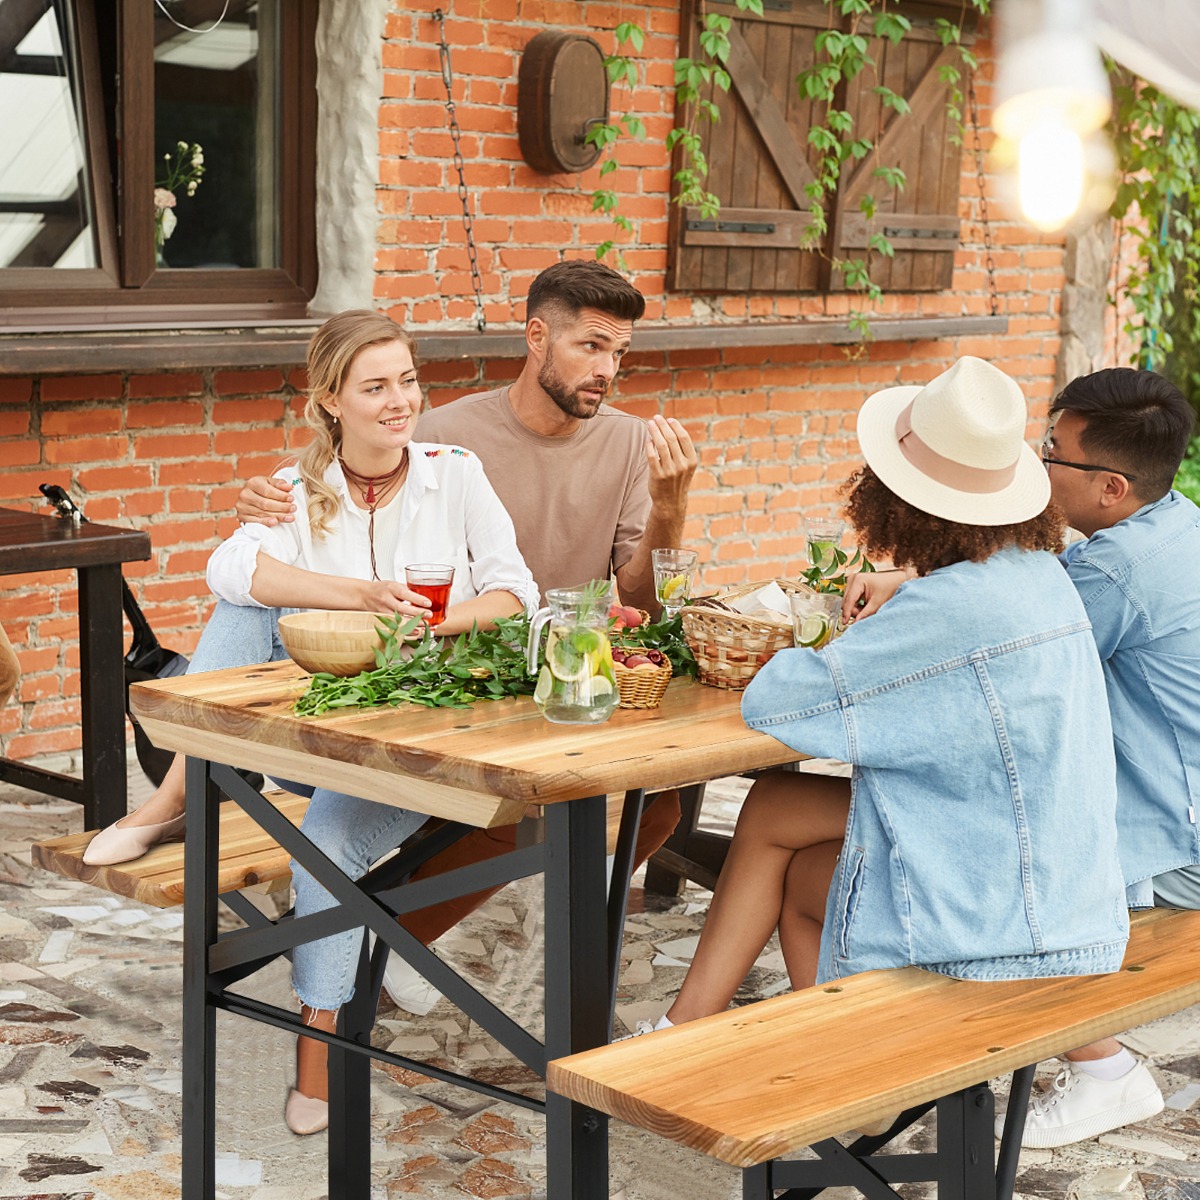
576,684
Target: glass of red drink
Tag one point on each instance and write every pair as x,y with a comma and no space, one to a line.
432,580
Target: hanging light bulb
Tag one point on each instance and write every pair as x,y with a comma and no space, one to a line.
1050,174
1052,99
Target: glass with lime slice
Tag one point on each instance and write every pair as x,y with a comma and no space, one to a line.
824,538
673,573
815,617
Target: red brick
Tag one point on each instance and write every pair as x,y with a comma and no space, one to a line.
16,391
188,413
82,387
13,423
265,411
195,472
81,450
29,745
247,383
110,479
75,422
175,445
175,384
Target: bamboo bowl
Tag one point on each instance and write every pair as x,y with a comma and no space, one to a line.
336,643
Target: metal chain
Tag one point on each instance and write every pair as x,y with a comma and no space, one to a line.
990,261
456,134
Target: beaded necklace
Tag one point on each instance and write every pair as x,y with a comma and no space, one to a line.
375,489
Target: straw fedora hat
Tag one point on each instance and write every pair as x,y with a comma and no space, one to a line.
956,447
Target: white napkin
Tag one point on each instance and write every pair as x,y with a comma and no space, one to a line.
768,603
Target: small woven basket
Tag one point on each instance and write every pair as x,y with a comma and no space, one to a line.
729,647
641,687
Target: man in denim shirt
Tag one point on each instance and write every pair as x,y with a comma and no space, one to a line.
1115,442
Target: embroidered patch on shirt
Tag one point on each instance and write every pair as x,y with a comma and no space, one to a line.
454,450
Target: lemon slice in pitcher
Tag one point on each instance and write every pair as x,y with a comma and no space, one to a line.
545,685
570,656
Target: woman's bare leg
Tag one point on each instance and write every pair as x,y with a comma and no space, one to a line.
166,803
783,813
804,893
312,1057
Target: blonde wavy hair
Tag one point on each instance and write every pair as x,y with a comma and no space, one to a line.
331,353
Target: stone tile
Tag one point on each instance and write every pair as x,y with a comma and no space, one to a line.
1161,1187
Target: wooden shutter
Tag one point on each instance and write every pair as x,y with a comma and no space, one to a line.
760,161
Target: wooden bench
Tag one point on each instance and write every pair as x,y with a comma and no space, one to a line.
755,1083
250,858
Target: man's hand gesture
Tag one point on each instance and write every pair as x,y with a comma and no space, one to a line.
672,461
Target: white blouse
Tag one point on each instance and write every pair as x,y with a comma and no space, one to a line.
447,513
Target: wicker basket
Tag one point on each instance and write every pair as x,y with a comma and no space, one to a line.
730,647
641,687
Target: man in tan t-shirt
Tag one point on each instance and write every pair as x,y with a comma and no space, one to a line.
591,490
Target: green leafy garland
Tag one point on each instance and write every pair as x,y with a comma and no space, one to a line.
484,664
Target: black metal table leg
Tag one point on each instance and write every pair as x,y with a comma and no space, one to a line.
350,1093
200,856
618,889
966,1145
1014,1130
102,683
576,991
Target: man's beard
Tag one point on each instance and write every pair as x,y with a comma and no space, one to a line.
568,399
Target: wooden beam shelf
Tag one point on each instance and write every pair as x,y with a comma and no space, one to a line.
199,346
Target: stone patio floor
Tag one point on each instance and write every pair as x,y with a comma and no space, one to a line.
90,1058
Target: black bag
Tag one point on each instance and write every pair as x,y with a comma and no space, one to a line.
146,659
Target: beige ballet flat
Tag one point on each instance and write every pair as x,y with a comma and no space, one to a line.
305,1114
123,843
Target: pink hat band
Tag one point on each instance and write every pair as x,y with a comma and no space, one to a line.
960,476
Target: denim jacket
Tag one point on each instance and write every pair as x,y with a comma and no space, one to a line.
981,840
1140,584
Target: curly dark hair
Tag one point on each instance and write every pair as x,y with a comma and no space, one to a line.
889,527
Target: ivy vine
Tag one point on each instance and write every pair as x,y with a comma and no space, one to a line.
840,55
1157,142
696,82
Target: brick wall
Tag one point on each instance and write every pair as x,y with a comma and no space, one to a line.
166,452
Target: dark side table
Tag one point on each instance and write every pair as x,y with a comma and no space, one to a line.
29,544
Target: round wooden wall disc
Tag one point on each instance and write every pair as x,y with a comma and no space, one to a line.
562,91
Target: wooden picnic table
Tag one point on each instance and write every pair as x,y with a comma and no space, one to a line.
479,767
34,544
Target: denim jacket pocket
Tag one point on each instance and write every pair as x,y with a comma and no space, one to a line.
851,894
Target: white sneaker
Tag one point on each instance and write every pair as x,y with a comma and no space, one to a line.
644,1027
408,990
1078,1106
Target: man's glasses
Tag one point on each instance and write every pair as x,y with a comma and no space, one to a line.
1049,460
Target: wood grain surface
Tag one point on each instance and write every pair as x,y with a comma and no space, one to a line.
482,765
752,1084
248,858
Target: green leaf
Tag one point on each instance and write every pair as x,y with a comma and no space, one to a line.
881,245
627,31
894,177
892,26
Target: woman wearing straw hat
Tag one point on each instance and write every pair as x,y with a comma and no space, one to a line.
977,837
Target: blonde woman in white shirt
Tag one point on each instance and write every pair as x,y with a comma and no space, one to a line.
375,501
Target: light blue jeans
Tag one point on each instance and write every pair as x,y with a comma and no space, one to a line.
353,832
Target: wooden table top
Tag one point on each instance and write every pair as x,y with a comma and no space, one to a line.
484,765
31,542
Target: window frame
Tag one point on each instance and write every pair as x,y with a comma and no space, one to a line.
126,286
